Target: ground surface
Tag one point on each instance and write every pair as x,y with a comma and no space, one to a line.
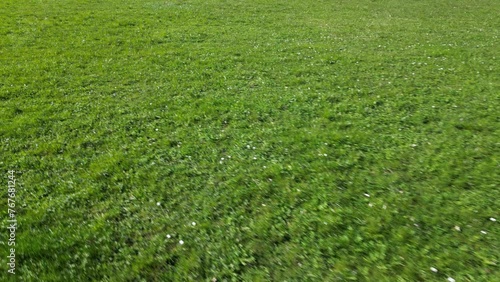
279,140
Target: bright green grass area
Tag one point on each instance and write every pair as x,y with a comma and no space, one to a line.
308,140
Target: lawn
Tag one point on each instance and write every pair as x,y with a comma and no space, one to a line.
264,140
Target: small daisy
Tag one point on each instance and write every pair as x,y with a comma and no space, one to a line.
168,236
433,269
450,279
158,203
484,232
493,219
181,242
367,195
193,223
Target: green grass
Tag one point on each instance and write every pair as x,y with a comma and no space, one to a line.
267,123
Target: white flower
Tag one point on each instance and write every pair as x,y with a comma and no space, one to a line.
254,158
168,236
158,203
484,232
367,195
193,223
457,228
493,219
450,279
181,242
433,269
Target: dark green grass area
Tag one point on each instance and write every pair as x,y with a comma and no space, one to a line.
307,140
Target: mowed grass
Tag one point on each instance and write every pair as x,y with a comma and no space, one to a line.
279,140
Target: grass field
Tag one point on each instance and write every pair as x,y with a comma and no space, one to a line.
259,140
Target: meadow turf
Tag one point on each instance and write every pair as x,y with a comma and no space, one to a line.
279,140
